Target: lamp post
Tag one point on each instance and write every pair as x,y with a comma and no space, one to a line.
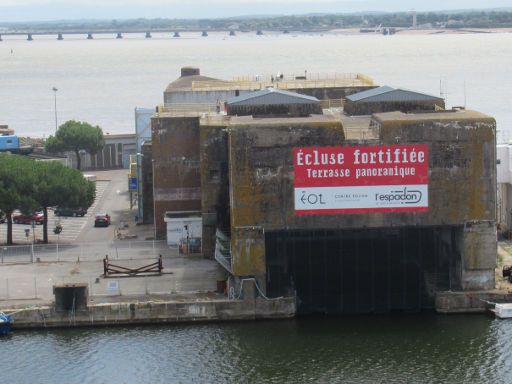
154,198
54,89
140,203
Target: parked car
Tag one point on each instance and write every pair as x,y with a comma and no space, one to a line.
64,211
20,218
102,220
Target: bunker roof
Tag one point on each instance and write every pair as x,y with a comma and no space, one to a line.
450,115
277,121
272,96
184,83
386,93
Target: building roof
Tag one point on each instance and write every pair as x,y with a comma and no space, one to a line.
269,96
386,93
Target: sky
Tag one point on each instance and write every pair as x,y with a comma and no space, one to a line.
37,10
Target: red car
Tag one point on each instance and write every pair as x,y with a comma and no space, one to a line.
20,218
102,220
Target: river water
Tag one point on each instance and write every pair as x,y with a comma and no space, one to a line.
102,80
376,349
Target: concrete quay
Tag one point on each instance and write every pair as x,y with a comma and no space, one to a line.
194,308
478,301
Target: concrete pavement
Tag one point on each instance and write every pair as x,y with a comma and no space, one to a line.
30,284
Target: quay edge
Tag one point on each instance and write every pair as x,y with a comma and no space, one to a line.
449,302
131,313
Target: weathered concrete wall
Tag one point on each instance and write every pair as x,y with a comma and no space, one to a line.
469,302
214,184
462,184
248,252
249,308
462,164
261,175
177,181
366,108
147,183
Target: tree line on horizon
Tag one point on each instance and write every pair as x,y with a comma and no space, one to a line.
462,19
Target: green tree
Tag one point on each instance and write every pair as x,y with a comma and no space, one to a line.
17,187
76,136
28,185
58,185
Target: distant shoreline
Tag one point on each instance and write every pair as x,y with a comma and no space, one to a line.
429,31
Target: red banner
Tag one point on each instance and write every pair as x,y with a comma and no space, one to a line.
361,178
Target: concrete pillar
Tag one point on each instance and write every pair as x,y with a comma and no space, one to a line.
89,36
29,37
119,35
60,37
479,256
1,38
232,33
204,34
176,34
148,35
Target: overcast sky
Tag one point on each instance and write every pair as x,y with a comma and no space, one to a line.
32,10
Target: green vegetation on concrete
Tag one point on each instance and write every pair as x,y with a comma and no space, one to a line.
29,185
76,136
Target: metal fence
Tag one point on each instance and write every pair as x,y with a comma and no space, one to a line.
41,288
127,250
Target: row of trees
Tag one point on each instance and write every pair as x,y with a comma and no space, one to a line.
471,18
30,185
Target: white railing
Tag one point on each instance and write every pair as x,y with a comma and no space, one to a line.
223,250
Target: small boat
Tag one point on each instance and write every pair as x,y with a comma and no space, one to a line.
5,324
502,310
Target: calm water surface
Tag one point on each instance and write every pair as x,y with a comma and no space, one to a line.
103,80
377,349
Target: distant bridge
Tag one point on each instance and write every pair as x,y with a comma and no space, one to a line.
117,33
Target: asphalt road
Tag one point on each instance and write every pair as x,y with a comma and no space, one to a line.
115,201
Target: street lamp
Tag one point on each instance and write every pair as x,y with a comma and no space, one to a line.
154,197
54,89
140,203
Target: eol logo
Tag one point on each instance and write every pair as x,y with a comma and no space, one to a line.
403,196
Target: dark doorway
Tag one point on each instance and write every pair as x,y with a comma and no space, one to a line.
70,297
363,271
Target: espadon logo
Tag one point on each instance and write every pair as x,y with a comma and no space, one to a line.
403,196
